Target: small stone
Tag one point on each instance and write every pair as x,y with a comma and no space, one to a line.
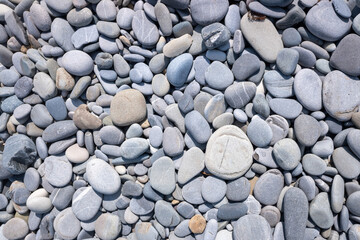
191,191
77,154
177,46
173,141
162,176
179,69
141,206
108,226
77,63
44,86
62,31
239,94
106,10
15,228
64,81
197,126
144,29
165,214
218,76
83,119
279,85
205,12
215,35
287,153
252,227
287,108
66,224
307,83
245,66
320,211
209,185
86,203
287,60
307,130
259,132
197,224
191,165
346,163
127,107
232,211
352,203
57,170
313,165
267,189
59,130
223,147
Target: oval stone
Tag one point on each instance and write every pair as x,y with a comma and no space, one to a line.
77,63
162,176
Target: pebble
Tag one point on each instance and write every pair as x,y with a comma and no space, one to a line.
279,85
108,183
15,228
232,211
307,130
220,144
287,108
131,102
77,62
191,191
192,163
86,203
162,176
144,29
165,214
108,226
251,227
287,60
66,224
52,134
263,37
216,71
320,211
205,13
173,141
346,163
259,132
208,185
268,187
57,170
239,94
197,126
197,224
179,69
177,46
245,66
215,35
287,153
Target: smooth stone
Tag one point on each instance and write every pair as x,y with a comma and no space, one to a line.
335,85
121,66
133,148
106,183
108,29
108,225
86,203
268,187
106,10
66,224
263,37
77,63
287,108
201,64
79,17
259,132
59,130
294,16
245,66
271,214
307,83
19,153
61,197
31,179
322,21
307,130
39,202
144,29
186,103
291,37
207,12
352,140
197,126
141,206
84,36
232,211
44,86
57,170
239,94
215,35
352,202
23,87
62,7
6,56
162,176
131,189
278,84
232,18
179,69
124,18
155,136
191,191
287,154
307,58
313,165
173,141
226,144
177,46
274,12
217,71
191,165
197,224
9,104
337,194
320,211
15,228
165,214
62,31
127,107
287,60
279,127
238,189
208,185
57,108
252,227
16,27
346,163
145,231
345,57
215,107
83,119
77,154
307,184
295,208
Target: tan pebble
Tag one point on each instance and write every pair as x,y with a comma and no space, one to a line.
83,119
197,224
77,154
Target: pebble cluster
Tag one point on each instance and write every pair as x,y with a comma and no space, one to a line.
180,119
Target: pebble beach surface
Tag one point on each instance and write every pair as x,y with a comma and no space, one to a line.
180,119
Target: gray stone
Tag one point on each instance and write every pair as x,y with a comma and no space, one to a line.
259,132
57,108
44,86
337,194
239,94
353,140
57,170
307,130
279,127
77,63
32,179
16,27
165,214
271,214
324,23
23,87
144,29
295,208
84,36
61,197
62,31
124,18
352,203
179,69
111,135
191,191
291,37
238,190
232,211
268,187
208,186
19,153
59,130
15,228
307,83
287,154
245,66
155,136
86,203
313,164
191,165
108,225
205,12
346,163
225,145
102,177
134,147
320,211
215,35
141,206
278,84
274,12
173,141
218,76
287,60
66,224
263,37
197,126
106,10
162,176
252,227
287,108
145,231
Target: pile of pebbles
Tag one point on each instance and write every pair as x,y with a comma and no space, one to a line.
180,119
